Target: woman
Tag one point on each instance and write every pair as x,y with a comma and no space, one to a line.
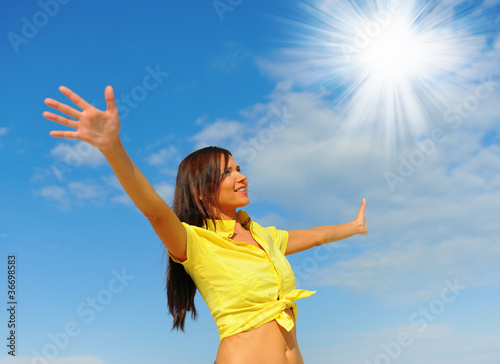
238,266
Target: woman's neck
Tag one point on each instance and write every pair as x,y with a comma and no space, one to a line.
228,215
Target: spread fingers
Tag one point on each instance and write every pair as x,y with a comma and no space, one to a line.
81,103
60,119
68,110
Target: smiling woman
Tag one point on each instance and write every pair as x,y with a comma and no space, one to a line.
232,191
238,266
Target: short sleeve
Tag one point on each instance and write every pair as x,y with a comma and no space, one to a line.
280,238
174,258
193,246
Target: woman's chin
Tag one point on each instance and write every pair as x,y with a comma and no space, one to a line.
244,202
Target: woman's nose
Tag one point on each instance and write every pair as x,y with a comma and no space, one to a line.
241,176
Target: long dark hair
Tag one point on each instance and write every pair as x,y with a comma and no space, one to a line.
195,202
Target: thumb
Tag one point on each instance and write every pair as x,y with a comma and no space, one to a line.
109,96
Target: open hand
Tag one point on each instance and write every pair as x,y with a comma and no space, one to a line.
96,127
360,221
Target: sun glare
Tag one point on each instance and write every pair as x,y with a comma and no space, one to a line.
395,53
390,67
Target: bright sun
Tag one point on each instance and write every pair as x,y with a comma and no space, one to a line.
387,63
396,52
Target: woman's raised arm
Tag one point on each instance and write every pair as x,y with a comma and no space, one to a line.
303,239
101,129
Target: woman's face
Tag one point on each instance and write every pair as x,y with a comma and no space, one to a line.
232,192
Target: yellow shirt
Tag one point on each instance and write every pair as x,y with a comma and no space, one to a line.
243,286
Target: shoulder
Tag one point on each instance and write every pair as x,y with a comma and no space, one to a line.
199,232
197,241
272,234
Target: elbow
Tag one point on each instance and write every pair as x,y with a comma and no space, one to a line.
150,216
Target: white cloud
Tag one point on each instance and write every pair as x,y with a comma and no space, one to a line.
415,271
166,191
78,154
217,133
3,131
55,193
162,156
86,190
113,182
76,193
270,219
436,344
41,174
122,198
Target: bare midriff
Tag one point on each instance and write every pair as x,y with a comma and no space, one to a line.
267,344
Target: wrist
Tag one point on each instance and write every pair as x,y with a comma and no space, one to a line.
111,147
359,227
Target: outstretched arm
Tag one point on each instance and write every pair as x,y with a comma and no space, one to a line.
101,129
303,239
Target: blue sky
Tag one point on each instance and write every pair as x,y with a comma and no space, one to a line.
293,90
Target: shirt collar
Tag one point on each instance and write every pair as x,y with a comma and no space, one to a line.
225,228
